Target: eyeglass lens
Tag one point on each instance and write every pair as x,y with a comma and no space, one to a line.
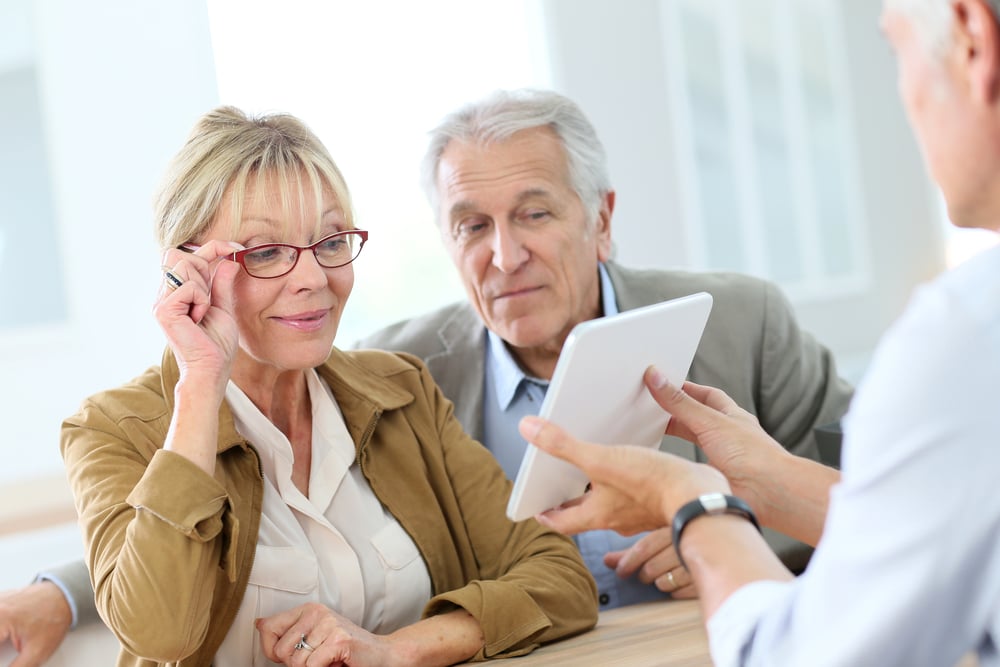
271,261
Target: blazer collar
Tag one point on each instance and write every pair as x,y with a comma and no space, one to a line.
362,392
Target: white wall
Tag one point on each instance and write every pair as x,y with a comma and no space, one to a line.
610,57
121,83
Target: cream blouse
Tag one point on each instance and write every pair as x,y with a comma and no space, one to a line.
339,546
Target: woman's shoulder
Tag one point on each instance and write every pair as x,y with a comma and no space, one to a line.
146,386
141,398
381,362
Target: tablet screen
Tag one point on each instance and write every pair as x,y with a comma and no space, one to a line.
597,393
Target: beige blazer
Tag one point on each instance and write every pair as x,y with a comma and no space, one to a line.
182,543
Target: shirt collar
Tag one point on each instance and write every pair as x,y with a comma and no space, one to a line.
504,369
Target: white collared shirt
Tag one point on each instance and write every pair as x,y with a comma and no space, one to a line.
339,546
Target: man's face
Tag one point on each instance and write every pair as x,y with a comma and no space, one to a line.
521,239
935,90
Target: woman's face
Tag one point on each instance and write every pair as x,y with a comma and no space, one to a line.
289,322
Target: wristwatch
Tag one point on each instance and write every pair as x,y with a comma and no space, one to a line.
711,504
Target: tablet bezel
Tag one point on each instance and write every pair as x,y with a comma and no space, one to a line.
608,403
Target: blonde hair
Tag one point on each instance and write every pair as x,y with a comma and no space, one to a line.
225,150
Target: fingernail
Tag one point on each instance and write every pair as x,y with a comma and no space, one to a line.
656,378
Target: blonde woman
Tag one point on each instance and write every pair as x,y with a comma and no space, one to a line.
263,497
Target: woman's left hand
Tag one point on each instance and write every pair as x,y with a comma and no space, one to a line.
313,635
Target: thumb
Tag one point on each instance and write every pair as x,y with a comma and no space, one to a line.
688,417
612,558
29,657
222,285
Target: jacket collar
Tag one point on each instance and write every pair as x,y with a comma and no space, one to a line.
363,392
637,288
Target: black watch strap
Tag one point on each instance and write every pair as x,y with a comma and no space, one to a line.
711,504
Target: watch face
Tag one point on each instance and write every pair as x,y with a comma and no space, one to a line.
714,502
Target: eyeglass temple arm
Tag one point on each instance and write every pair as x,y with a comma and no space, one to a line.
192,247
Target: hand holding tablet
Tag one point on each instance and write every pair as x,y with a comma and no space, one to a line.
597,392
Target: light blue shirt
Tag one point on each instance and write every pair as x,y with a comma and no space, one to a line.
509,395
907,572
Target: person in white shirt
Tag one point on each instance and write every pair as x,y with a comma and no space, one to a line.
907,565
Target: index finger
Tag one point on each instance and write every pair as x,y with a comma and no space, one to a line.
211,250
555,441
200,258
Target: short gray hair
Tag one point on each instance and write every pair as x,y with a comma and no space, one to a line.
932,19
503,113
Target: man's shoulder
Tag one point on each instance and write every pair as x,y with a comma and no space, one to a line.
428,334
636,287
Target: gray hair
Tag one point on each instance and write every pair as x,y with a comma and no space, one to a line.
503,113
932,19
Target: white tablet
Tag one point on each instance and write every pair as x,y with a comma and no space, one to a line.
597,393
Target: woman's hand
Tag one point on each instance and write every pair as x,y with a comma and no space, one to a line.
313,635
197,316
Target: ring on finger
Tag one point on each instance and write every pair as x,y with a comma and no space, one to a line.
303,644
173,282
673,583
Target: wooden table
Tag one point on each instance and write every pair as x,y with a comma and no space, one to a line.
653,634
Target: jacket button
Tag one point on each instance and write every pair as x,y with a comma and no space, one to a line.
604,599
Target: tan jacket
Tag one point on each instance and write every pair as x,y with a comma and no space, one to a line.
170,548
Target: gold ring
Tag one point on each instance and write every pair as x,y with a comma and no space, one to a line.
670,578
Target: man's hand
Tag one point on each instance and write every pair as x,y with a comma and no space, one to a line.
632,489
35,620
729,436
655,560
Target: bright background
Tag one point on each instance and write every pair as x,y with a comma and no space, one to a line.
762,136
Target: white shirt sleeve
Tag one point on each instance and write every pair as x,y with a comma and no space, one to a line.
907,571
731,629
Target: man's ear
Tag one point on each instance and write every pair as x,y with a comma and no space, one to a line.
603,226
977,47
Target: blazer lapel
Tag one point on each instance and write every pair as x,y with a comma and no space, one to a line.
459,368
